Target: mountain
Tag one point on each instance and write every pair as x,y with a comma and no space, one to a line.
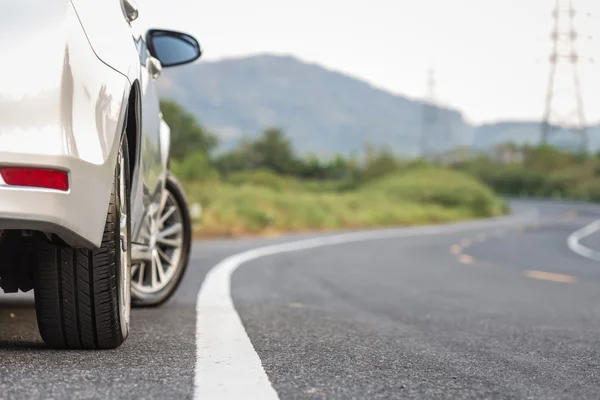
322,111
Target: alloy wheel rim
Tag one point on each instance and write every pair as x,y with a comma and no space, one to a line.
163,231
124,271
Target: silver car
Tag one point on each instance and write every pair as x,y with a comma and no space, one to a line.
90,217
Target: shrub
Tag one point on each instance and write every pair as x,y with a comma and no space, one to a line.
588,190
269,179
262,177
439,186
272,203
194,167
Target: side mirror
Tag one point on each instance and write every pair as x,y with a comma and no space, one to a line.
172,48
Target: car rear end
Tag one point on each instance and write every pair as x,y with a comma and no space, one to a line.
61,110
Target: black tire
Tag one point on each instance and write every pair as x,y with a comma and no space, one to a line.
77,291
155,299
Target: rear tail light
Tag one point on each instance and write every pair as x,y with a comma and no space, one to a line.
35,177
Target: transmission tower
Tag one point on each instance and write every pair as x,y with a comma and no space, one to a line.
564,109
435,135
430,116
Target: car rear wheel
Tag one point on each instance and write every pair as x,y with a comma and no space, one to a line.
168,233
83,296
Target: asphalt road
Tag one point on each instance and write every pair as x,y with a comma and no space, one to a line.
497,309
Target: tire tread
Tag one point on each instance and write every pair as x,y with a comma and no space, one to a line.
76,291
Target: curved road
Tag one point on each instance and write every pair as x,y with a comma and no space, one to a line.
488,309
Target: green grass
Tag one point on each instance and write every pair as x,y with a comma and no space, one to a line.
270,204
279,183
444,187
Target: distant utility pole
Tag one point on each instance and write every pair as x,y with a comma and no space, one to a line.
430,116
432,134
564,108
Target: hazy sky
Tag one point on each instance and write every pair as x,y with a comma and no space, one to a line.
490,56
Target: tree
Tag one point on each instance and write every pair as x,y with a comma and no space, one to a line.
274,151
379,162
188,136
547,158
271,151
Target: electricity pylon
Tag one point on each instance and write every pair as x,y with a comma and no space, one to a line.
430,116
564,109
436,134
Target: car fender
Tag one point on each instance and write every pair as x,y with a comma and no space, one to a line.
106,27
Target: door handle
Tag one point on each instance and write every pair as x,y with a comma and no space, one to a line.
130,9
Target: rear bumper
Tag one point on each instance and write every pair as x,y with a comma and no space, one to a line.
77,216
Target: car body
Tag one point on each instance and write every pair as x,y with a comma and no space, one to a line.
79,110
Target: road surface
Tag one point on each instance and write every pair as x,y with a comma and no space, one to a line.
491,309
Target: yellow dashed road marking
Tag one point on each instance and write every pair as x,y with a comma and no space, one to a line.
549,276
313,391
570,214
456,249
466,259
535,224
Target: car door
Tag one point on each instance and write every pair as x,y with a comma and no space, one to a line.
151,163
158,48
146,194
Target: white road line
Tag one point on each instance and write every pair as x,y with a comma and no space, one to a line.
574,241
227,366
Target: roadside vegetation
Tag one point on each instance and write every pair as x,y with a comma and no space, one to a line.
262,186
540,172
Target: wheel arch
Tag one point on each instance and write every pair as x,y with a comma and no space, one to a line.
133,129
